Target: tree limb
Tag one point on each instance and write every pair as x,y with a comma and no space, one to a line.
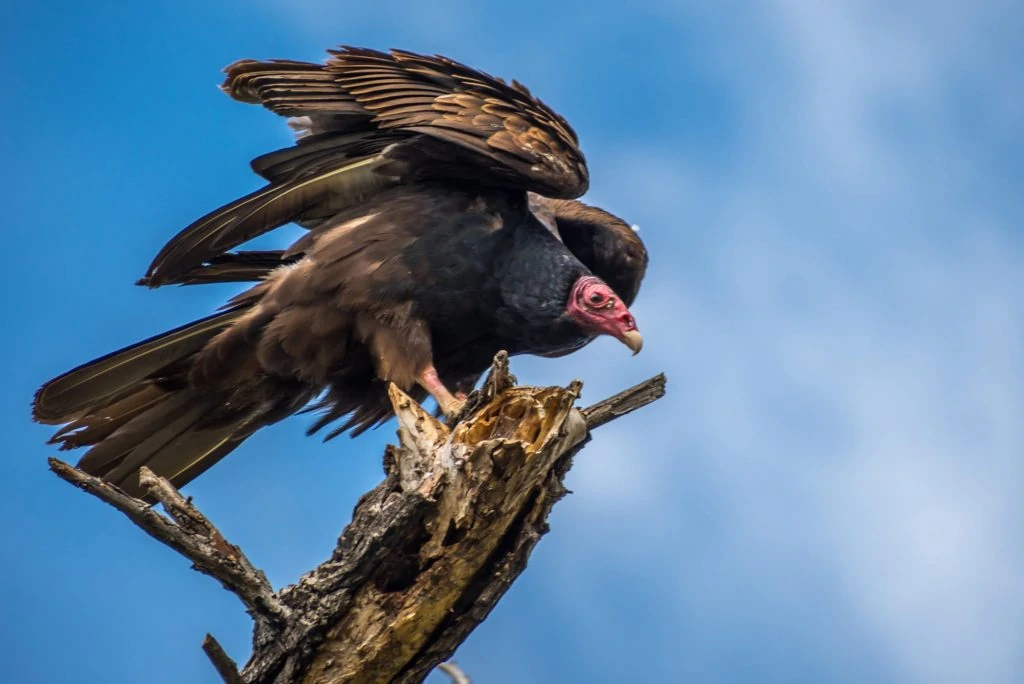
454,673
222,662
188,532
429,551
625,402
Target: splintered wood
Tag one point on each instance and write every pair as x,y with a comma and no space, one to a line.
479,479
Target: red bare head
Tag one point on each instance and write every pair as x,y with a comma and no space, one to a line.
599,311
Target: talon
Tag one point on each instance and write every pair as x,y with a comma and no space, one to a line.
453,411
451,405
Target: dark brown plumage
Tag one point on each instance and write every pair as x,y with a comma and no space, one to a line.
234,267
434,241
377,119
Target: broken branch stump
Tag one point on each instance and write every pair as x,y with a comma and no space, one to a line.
428,553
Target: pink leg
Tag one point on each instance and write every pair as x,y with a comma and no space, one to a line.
450,405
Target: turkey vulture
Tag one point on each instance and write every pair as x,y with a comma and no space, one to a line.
442,228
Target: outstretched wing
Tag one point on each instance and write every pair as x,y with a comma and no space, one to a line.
516,139
374,120
519,140
307,186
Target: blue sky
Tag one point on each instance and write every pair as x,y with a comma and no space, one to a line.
832,491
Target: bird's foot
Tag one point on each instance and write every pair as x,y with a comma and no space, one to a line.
452,405
455,409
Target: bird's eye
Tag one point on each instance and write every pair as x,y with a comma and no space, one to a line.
596,298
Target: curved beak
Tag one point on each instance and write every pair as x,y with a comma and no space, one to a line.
633,340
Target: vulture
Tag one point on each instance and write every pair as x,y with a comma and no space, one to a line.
442,227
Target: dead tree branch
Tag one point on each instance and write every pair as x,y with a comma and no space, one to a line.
429,551
454,673
188,532
222,662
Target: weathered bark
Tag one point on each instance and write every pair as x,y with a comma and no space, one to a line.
428,553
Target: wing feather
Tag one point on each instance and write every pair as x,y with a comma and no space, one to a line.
347,183
498,132
372,120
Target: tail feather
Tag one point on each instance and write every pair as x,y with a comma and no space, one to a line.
170,435
97,426
135,407
65,397
126,449
193,452
156,433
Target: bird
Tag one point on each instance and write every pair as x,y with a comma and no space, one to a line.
443,224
